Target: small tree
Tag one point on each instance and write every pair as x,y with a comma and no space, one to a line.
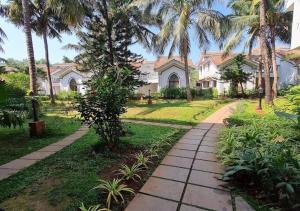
235,74
105,101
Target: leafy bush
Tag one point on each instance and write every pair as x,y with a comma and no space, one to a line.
18,81
65,95
105,101
262,153
180,93
13,107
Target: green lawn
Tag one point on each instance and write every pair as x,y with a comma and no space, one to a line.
15,143
173,111
64,180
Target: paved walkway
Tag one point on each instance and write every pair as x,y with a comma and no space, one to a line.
187,178
157,124
17,165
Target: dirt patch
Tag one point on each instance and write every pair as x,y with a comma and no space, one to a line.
35,198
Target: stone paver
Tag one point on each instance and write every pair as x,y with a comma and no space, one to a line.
177,161
206,156
192,147
187,179
170,172
158,124
163,188
189,208
209,166
17,165
207,198
143,202
182,153
210,149
206,179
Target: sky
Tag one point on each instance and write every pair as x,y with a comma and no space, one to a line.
15,46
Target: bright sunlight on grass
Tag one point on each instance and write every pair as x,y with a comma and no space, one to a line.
174,111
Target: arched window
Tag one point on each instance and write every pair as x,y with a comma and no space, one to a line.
173,81
73,85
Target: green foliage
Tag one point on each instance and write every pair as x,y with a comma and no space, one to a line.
17,80
13,107
130,172
263,153
65,95
105,101
142,160
180,93
235,74
114,190
92,208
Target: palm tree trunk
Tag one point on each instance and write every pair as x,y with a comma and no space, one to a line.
259,84
48,65
30,52
274,64
187,72
264,51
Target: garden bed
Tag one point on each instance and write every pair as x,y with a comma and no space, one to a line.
262,155
66,179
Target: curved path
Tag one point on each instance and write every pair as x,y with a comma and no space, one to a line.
13,167
187,178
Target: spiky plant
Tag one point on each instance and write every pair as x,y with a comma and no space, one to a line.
114,190
130,172
142,159
92,208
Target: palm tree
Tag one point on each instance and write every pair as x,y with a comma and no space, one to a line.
245,20
2,33
263,34
30,52
279,22
178,18
49,18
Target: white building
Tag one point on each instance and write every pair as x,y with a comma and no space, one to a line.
294,5
162,73
65,78
211,63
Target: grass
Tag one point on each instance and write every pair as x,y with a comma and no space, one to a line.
64,180
15,143
173,111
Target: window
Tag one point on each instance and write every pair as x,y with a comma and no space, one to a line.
173,81
214,83
73,85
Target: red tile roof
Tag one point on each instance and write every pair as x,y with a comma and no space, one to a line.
56,67
162,60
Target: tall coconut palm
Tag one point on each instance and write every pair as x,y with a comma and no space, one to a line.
27,29
179,17
263,34
49,18
247,22
280,25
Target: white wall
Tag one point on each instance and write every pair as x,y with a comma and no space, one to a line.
65,82
296,25
164,77
287,72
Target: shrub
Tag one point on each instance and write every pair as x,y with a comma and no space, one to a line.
13,108
17,80
180,93
263,154
65,95
104,102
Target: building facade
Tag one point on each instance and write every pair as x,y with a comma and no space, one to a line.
294,5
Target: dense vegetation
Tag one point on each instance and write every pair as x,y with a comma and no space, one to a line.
262,152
